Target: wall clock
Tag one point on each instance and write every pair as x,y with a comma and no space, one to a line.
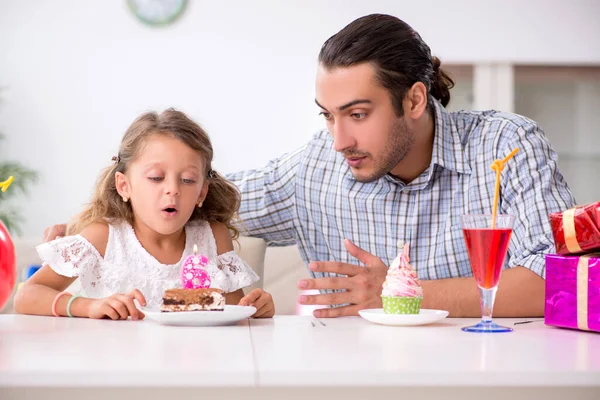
157,12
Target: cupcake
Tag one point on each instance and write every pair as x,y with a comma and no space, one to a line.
401,292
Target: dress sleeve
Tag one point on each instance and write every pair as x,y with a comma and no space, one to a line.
230,273
69,256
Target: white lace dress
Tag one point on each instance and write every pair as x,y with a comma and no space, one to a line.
127,265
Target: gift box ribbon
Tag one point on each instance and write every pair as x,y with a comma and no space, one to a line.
570,233
583,291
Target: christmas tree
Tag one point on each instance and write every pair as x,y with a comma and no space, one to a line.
23,178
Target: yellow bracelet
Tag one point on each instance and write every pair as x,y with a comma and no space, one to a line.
69,305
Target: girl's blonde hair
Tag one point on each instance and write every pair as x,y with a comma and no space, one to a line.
222,201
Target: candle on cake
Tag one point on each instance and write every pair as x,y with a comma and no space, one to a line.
193,272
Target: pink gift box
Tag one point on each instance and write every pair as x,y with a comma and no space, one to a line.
573,291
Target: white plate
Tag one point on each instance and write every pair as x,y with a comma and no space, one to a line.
424,317
230,315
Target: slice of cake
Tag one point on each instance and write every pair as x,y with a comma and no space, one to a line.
193,300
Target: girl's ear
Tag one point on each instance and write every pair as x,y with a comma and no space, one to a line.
203,194
122,185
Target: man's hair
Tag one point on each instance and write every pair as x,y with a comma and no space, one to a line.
396,51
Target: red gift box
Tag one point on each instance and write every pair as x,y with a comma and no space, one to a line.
577,230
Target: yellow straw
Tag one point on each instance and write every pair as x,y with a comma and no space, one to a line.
498,166
4,185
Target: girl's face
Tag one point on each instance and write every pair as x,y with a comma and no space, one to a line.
164,184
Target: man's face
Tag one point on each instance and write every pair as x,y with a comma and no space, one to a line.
359,115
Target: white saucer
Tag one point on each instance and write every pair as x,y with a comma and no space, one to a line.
424,317
230,315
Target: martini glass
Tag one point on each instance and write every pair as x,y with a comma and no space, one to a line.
487,248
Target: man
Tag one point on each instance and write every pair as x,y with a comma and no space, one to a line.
394,165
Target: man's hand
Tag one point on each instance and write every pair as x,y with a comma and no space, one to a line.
55,232
362,284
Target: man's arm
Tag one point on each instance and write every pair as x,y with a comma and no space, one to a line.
267,208
520,294
532,188
55,232
520,291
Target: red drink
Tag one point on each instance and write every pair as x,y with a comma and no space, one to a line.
487,250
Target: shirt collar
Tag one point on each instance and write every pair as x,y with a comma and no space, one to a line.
448,150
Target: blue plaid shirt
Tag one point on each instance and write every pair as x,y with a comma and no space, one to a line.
310,197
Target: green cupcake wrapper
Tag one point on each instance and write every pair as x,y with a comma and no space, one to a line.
401,305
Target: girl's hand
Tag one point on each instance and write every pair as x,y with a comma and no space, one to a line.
262,301
118,306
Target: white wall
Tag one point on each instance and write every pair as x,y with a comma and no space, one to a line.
76,73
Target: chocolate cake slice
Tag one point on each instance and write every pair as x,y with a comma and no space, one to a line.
193,300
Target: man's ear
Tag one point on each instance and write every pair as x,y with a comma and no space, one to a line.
415,101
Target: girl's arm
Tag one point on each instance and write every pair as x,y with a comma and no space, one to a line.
225,244
37,294
263,301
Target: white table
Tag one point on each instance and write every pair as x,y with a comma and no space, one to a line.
292,357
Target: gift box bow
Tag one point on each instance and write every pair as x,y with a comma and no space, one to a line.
583,290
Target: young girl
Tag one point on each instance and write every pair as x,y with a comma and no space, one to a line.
159,198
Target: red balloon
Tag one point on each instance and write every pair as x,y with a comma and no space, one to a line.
8,268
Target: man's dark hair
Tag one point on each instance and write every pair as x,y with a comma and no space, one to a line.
396,51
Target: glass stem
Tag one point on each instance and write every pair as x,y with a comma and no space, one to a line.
487,296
